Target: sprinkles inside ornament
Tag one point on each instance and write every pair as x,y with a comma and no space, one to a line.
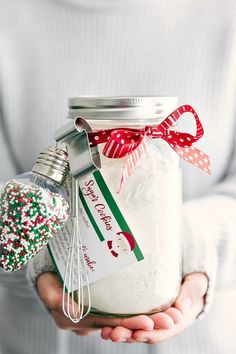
30,215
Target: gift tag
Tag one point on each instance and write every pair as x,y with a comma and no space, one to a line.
108,244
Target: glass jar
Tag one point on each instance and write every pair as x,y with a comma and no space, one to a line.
150,202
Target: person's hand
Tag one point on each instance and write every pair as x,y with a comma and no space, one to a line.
171,322
50,291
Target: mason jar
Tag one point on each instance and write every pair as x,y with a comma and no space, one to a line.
150,202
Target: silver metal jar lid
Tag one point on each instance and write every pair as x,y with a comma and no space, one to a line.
52,163
146,109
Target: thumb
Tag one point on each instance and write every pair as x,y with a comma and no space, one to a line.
193,289
50,290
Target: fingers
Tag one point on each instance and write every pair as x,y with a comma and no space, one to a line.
133,323
155,336
121,334
162,320
138,322
160,334
124,330
193,288
106,332
50,290
118,334
175,314
165,320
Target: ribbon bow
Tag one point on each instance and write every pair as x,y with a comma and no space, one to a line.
133,143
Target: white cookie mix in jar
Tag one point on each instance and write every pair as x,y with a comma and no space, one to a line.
150,203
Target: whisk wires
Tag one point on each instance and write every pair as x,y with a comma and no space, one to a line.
76,275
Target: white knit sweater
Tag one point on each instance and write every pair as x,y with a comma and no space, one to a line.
50,50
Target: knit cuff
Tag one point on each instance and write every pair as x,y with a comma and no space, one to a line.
39,264
199,254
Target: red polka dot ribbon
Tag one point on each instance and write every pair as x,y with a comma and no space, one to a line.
133,143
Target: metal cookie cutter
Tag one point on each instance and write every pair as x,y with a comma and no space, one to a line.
83,159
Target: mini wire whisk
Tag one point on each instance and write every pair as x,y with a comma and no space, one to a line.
76,304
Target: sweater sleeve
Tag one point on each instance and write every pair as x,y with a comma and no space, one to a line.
39,264
209,243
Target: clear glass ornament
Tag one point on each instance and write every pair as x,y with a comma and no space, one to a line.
33,208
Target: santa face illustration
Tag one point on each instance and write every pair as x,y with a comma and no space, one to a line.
122,244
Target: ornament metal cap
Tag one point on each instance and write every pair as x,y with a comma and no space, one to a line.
52,163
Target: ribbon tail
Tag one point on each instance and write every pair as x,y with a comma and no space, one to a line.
194,156
132,160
